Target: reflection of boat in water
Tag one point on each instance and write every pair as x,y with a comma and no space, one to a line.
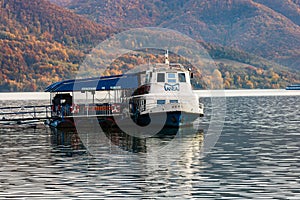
161,95
293,87
67,142
99,142
92,139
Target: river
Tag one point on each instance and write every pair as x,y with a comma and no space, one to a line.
256,155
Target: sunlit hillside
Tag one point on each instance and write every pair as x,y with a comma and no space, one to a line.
252,44
267,28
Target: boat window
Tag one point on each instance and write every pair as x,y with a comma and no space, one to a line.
171,78
181,77
160,77
173,101
161,101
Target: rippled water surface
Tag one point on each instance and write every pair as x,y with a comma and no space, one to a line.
256,156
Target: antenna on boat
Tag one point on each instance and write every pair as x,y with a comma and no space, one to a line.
167,62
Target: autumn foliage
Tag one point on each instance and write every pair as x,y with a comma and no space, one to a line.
42,43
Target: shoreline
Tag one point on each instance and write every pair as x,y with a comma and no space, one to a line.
247,93
4,96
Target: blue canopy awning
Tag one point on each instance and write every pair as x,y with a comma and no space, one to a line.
125,81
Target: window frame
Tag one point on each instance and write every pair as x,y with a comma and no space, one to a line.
161,77
160,101
182,77
173,101
171,79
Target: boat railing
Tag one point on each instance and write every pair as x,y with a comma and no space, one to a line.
104,109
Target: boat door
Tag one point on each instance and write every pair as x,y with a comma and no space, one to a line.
137,105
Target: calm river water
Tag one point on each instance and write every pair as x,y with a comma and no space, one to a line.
256,156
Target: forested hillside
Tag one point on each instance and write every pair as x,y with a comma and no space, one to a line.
288,8
42,43
267,28
237,69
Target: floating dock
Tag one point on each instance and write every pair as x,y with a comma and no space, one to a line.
11,115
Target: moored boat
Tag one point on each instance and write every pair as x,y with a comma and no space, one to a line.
162,94
293,87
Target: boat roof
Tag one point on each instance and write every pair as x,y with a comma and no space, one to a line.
172,67
124,81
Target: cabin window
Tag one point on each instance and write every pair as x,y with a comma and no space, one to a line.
171,78
181,77
173,101
160,77
161,101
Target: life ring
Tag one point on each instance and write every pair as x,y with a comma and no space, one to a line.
115,108
74,108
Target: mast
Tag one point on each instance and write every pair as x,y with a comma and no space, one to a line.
167,62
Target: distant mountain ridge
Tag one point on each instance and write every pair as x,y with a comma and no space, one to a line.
288,8
268,28
42,43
